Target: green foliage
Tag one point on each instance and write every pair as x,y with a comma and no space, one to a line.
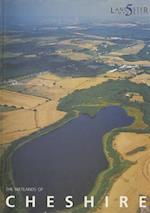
114,91
138,149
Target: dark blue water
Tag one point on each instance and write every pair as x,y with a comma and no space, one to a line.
67,160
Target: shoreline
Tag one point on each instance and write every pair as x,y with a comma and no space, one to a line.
112,156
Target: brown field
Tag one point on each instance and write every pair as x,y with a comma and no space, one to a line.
11,98
136,179
141,79
137,98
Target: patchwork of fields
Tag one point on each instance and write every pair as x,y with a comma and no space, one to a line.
48,77
36,101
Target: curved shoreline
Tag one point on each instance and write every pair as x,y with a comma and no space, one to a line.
6,177
116,165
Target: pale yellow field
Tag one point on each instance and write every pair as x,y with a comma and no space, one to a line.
19,123
18,120
92,82
16,124
141,79
48,114
136,180
126,142
117,75
12,136
120,61
38,112
61,86
76,56
134,49
18,100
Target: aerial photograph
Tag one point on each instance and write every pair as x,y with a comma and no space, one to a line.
75,106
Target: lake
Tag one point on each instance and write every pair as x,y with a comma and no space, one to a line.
67,160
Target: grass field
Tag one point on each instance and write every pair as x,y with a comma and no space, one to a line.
19,100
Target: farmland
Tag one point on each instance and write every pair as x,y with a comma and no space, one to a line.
56,76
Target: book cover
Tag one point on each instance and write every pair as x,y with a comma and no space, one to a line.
75,106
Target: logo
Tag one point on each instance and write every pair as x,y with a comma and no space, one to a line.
130,10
